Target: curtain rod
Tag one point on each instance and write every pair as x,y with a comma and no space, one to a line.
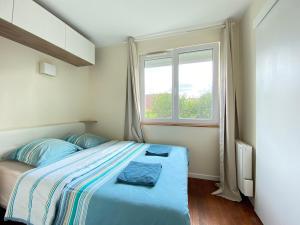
178,32
169,50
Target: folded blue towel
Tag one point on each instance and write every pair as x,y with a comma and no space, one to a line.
158,150
138,173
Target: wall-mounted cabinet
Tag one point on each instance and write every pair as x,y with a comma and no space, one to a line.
6,9
35,19
79,45
32,25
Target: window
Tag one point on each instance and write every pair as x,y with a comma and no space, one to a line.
181,86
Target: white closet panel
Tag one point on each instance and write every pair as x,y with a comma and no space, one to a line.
33,18
79,45
6,9
277,115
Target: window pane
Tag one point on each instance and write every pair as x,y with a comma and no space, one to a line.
196,85
158,88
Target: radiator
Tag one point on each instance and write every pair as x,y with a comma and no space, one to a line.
244,168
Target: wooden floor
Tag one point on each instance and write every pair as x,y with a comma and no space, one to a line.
206,209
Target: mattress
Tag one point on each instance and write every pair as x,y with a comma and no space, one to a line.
9,173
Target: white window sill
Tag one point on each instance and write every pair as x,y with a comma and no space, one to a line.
181,124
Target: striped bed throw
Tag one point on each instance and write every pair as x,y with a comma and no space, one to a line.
69,183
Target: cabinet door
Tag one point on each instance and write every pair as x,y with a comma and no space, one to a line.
33,18
277,115
79,45
6,10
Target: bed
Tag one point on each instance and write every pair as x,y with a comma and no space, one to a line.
82,189
9,173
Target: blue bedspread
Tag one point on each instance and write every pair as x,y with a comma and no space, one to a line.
164,204
83,189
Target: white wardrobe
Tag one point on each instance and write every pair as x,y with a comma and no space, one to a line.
277,200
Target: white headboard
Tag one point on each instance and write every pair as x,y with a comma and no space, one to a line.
11,139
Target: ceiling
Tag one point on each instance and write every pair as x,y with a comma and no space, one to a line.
108,22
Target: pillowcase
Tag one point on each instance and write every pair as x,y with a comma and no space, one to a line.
42,152
86,140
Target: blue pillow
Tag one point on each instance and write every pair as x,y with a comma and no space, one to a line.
86,140
42,152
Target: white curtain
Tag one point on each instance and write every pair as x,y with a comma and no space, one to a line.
228,118
133,129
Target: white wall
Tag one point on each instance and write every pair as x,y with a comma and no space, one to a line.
247,75
277,116
247,79
109,86
30,99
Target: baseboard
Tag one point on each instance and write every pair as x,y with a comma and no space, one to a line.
204,176
251,199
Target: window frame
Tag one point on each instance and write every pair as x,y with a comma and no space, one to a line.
174,55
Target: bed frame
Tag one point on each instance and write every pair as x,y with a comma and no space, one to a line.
11,139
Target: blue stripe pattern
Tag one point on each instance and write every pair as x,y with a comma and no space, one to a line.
82,190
